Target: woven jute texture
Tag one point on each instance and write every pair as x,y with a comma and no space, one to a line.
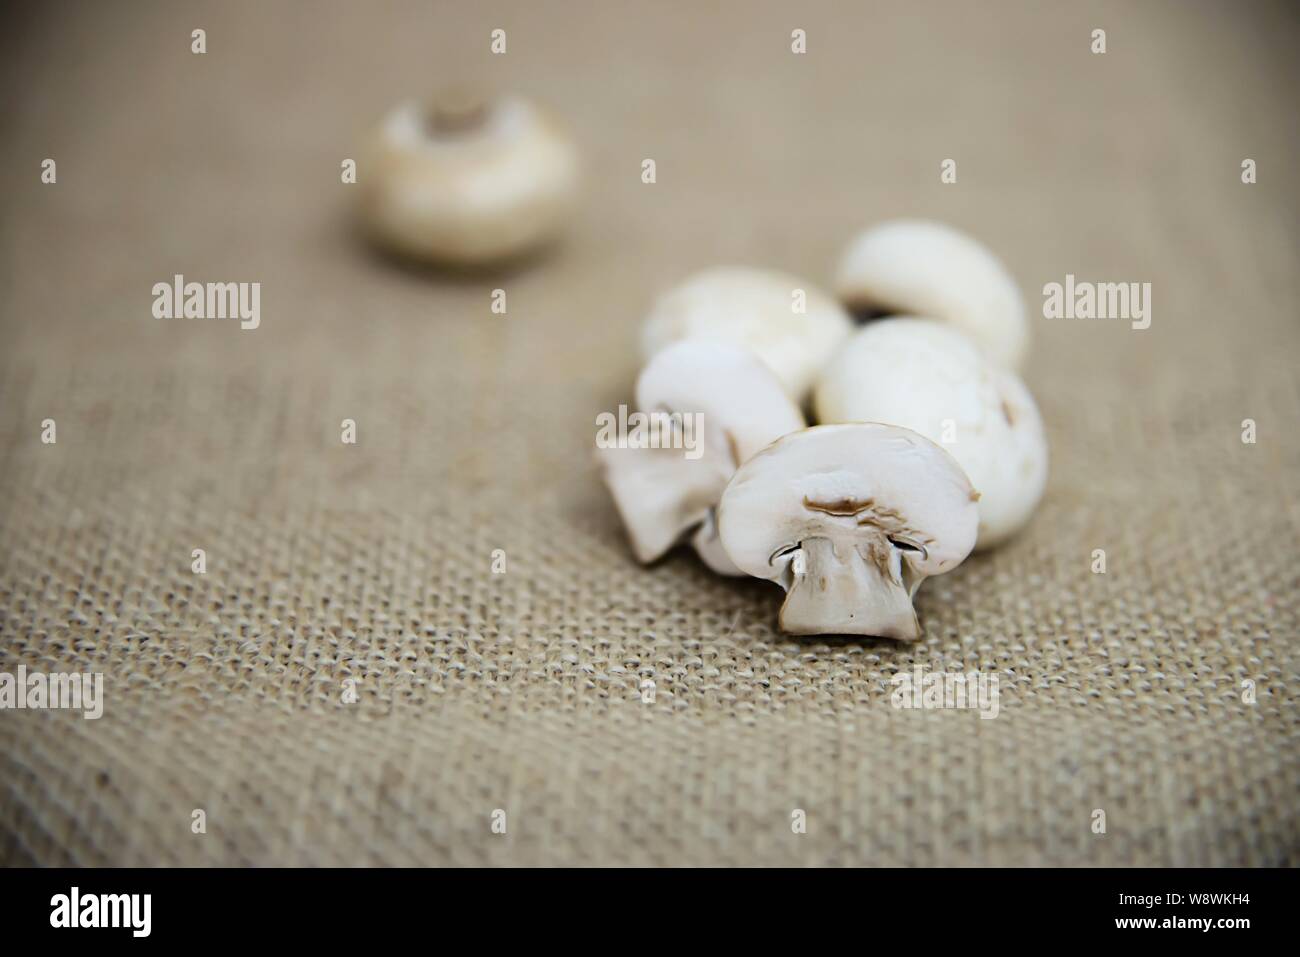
1163,692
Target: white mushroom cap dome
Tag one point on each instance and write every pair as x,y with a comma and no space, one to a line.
754,308
743,405
467,183
926,376
921,268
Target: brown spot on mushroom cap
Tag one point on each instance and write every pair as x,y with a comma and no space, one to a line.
1009,412
844,507
850,507
974,495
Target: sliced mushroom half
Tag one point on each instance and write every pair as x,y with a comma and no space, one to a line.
849,520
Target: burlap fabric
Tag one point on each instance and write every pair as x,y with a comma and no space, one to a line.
1121,692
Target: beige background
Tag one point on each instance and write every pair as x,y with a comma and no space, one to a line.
1120,692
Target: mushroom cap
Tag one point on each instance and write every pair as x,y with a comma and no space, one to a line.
742,401
924,375
922,268
753,308
467,184
831,481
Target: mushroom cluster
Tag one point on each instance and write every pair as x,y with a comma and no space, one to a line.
926,444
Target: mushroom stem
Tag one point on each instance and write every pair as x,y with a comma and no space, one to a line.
456,112
848,590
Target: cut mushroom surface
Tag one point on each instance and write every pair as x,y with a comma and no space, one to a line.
791,326
926,376
725,405
922,268
849,520
465,181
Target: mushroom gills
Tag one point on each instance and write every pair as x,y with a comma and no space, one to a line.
864,311
849,590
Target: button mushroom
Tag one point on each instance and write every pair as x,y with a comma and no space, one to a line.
665,492
465,181
926,376
849,520
758,309
920,268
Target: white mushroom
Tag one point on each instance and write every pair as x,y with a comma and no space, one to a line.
849,520
665,492
926,376
757,309
919,268
466,182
